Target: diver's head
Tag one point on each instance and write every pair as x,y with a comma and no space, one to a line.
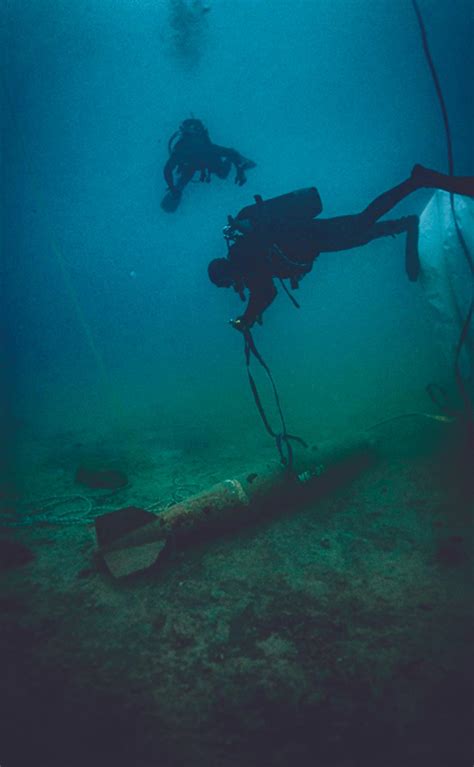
192,127
221,273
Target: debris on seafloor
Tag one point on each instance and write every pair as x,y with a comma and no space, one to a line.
13,554
132,540
101,479
451,551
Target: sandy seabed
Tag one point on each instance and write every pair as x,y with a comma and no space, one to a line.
335,636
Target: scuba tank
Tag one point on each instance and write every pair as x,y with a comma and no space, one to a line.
190,127
298,206
172,143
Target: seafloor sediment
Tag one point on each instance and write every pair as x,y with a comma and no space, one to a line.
335,636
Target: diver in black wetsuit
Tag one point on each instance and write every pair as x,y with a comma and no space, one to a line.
194,151
266,245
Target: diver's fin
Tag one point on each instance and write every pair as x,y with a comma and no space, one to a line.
412,259
170,202
115,524
129,561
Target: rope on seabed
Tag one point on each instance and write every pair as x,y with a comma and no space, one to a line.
16,519
43,517
88,516
93,508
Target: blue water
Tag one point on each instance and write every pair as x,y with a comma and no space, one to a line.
107,299
338,635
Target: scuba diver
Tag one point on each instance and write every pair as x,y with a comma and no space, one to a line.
192,150
280,238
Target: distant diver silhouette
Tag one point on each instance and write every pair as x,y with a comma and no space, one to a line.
191,150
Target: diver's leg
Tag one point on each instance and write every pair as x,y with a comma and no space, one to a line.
434,180
420,177
172,198
185,175
410,225
386,201
347,232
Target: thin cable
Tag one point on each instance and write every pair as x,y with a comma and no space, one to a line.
282,439
439,92
467,403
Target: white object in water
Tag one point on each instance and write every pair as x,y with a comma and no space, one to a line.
445,274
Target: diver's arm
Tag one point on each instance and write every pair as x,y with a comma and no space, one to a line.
262,293
240,163
229,154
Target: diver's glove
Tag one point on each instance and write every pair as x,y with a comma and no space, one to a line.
243,165
239,324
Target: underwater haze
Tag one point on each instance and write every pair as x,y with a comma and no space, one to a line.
108,299
336,636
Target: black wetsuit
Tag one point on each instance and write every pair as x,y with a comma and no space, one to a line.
289,250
